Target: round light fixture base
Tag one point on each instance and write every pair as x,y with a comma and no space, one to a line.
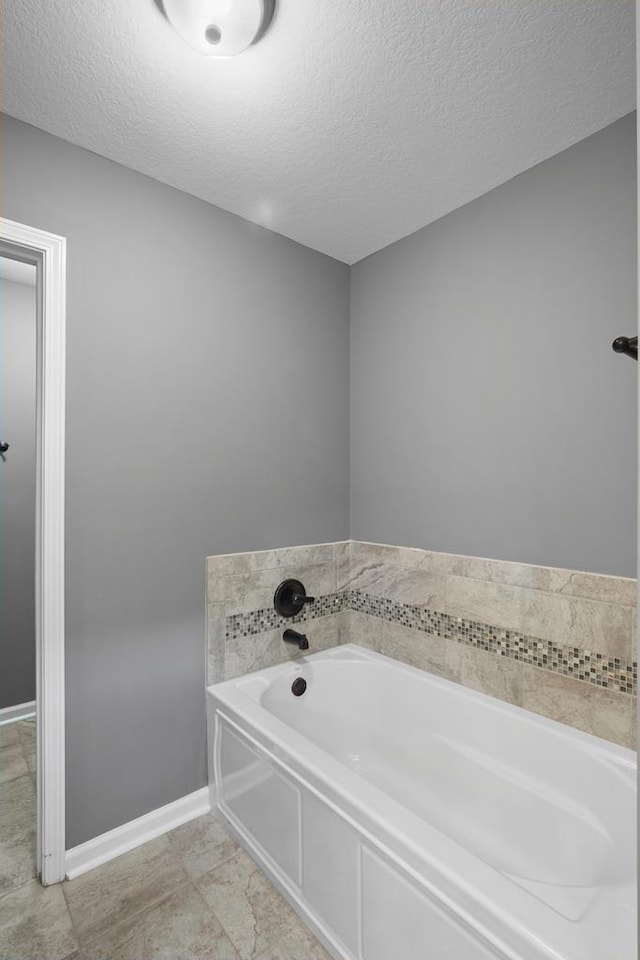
219,28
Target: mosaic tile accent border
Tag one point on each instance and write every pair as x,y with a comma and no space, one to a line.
591,667
239,625
584,665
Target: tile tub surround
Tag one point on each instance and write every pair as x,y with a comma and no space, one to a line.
558,642
244,632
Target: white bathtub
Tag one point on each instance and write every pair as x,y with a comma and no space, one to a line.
408,818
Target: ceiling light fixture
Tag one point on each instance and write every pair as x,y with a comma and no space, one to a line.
219,28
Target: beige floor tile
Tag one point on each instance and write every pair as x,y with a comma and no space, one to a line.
17,833
35,924
202,844
12,762
252,912
17,802
107,901
298,944
27,730
181,927
8,735
27,738
17,860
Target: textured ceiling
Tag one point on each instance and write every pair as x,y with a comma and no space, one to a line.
350,124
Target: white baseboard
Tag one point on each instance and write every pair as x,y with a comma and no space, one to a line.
113,844
21,711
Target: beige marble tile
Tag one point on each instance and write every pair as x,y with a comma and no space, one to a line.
365,551
369,575
322,632
632,742
363,629
429,561
483,671
213,668
12,762
516,574
245,654
343,627
216,625
604,713
403,574
239,564
180,926
202,844
310,553
589,624
107,901
595,587
435,564
342,556
35,924
255,590
415,585
340,548
298,944
420,587
253,913
591,586
500,604
368,561
415,648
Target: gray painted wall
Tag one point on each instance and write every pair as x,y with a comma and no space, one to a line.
489,415
207,386
17,493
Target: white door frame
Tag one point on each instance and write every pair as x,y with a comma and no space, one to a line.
48,253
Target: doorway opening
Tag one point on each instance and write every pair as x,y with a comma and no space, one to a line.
39,258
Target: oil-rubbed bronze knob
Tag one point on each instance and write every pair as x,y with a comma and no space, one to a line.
290,598
4,446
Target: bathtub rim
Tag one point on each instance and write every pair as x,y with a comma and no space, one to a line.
353,652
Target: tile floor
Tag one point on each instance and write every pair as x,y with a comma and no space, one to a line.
192,894
17,804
